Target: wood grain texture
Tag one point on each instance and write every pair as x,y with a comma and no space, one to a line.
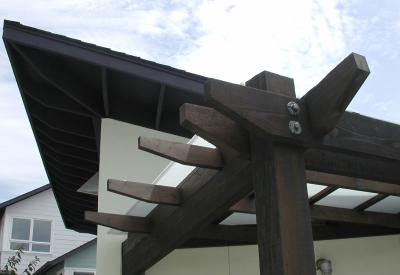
273,83
334,231
333,214
193,182
183,153
371,202
265,114
352,183
246,205
215,235
246,234
326,213
145,192
231,138
209,202
322,194
216,129
121,222
328,100
284,231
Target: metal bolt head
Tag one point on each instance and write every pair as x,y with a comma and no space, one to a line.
293,108
295,127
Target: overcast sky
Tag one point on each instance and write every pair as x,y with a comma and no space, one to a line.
228,40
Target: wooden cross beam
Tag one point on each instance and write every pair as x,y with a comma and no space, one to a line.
273,134
212,126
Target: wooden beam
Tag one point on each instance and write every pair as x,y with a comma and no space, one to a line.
65,138
371,202
284,231
66,169
238,233
328,100
67,84
216,129
222,235
120,222
351,166
326,213
66,122
67,150
246,205
265,114
334,214
145,192
70,161
334,231
322,194
233,139
273,83
352,183
183,153
53,98
160,106
215,197
104,88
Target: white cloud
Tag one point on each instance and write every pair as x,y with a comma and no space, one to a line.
230,40
383,105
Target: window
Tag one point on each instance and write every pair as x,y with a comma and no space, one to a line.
33,234
80,271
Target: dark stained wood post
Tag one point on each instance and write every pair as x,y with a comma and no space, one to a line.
284,230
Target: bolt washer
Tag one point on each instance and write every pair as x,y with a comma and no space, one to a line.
293,108
295,127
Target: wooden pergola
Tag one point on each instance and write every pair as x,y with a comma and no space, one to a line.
269,144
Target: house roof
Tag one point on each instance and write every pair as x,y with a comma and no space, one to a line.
48,265
29,194
68,86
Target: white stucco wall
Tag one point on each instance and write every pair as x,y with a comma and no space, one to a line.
367,256
121,159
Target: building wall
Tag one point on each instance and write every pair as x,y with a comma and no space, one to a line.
2,220
121,159
54,270
83,259
41,206
368,256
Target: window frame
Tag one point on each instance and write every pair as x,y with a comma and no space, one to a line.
71,270
30,241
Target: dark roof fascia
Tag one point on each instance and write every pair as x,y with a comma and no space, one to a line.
104,57
22,197
58,260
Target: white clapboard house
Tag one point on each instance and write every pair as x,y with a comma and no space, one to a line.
34,220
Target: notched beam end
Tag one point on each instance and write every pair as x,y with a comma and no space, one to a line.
145,192
120,222
328,100
217,129
183,153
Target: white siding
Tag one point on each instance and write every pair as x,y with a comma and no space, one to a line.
42,206
1,240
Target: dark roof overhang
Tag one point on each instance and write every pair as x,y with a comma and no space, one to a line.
67,86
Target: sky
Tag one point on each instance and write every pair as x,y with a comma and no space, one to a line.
227,40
